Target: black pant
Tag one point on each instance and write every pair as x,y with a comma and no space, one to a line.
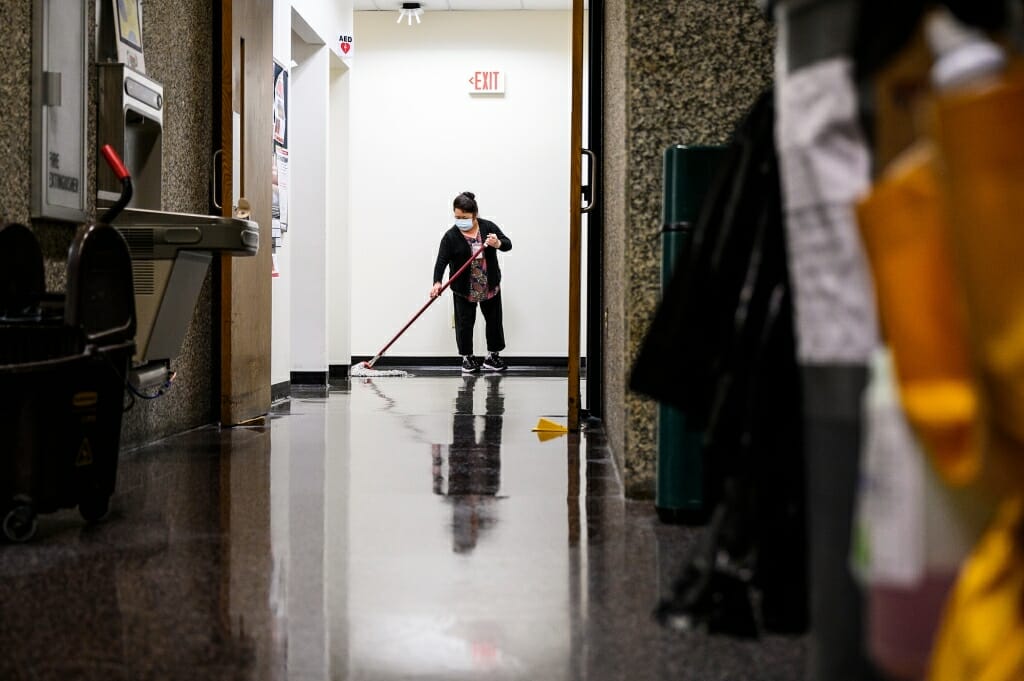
465,318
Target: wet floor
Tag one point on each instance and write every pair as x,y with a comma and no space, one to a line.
397,528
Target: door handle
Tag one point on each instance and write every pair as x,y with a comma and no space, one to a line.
214,172
589,190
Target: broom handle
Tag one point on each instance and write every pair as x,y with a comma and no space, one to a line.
369,365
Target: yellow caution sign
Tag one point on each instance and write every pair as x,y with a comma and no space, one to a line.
84,457
549,430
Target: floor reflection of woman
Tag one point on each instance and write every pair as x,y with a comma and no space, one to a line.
474,463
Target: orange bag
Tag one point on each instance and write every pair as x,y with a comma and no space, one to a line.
905,231
980,137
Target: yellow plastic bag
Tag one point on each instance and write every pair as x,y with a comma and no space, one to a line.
982,634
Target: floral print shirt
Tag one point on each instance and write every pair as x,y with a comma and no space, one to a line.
478,274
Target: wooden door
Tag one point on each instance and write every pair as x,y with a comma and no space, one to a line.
246,87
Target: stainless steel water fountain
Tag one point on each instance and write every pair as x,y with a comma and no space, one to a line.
171,252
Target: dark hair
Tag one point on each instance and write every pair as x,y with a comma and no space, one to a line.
466,202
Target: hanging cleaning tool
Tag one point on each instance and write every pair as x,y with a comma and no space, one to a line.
366,368
123,176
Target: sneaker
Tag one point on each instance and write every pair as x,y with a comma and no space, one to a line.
494,362
470,365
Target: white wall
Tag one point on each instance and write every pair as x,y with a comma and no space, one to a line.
316,324
339,251
307,233
328,18
418,139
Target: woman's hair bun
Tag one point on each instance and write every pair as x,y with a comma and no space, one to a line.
469,195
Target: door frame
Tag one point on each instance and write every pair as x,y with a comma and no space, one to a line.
595,218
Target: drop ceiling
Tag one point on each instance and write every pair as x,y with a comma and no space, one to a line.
467,5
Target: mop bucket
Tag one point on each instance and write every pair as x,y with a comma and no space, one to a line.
61,416
64,362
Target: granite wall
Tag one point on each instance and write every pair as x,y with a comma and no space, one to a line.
677,72
179,49
15,110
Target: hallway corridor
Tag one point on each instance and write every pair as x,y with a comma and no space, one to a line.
395,528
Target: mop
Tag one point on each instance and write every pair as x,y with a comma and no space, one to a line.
365,369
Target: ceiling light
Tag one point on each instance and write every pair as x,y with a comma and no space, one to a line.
410,10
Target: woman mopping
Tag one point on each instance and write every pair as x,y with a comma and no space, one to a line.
480,285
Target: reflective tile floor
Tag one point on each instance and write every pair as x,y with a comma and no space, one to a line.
397,528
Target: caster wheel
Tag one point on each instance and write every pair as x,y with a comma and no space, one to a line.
20,523
93,510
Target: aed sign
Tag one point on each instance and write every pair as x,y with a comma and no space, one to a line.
345,44
487,82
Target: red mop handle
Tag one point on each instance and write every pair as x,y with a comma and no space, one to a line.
369,365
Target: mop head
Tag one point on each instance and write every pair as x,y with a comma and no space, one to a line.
363,370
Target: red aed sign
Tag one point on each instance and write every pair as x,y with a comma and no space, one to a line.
487,82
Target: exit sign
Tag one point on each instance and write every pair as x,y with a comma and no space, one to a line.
487,82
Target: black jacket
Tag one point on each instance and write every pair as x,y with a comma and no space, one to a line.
721,348
454,251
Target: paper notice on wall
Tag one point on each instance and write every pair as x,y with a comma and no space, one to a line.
281,155
280,104
275,234
279,164
275,191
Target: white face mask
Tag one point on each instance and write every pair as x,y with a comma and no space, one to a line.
465,224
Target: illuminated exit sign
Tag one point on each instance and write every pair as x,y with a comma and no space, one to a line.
487,82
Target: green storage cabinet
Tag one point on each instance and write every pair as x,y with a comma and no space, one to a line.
679,494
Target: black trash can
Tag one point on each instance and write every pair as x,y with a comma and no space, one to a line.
679,493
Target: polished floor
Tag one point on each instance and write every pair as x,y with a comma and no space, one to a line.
395,528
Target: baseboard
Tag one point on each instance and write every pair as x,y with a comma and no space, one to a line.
454,361
309,378
338,371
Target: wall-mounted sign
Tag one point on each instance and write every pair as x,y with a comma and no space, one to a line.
345,44
59,110
128,24
279,191
487,83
